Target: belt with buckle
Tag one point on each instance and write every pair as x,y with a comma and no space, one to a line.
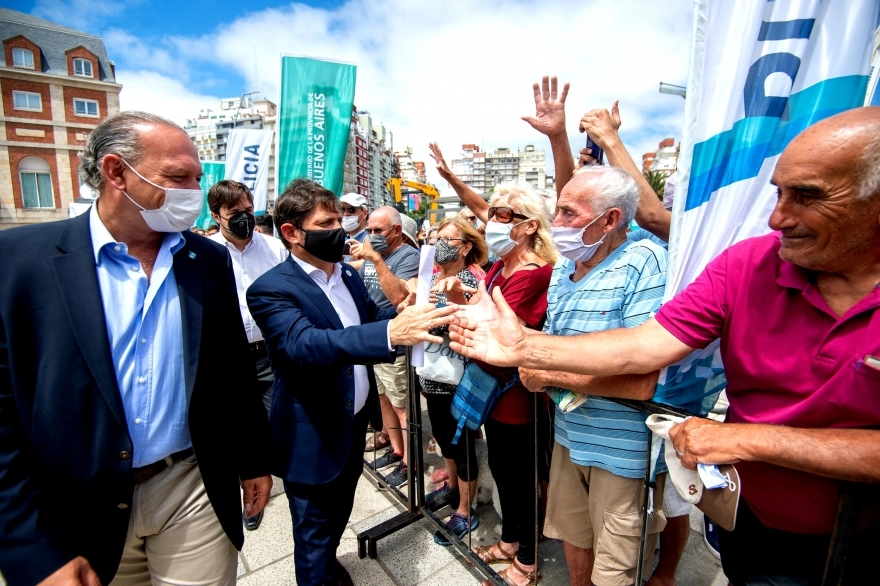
144,473
261,345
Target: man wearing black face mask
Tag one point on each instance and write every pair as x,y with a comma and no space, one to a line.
324,334
232,207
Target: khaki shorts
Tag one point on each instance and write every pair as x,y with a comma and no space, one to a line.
391,380
592,508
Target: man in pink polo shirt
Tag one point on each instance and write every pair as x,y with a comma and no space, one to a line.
797,315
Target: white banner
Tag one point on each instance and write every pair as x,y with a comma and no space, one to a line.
761,71
247,160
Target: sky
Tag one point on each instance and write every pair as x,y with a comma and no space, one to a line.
455,72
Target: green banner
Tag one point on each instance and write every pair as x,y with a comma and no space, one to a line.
314,117
212,172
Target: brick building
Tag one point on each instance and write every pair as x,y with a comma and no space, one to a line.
56,84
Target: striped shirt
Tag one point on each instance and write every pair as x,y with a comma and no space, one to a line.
624,290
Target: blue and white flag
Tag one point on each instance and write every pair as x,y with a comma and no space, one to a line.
761,71
248,158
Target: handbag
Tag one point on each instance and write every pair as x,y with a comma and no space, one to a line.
475,396
442,363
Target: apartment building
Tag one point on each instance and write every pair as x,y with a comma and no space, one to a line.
57,85
664,160
482,171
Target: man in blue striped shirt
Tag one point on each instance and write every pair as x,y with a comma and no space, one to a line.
597,473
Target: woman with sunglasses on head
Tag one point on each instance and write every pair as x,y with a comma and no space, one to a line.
518,233
458,246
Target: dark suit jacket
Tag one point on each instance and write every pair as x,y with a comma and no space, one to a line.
65,488
312,357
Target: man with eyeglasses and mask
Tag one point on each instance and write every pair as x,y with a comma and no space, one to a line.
354,216
128,419
388,263
232,207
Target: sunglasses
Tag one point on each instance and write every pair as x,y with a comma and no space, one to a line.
349,210
504,215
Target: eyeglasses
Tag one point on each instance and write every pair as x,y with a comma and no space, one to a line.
349,210
505,215
449,240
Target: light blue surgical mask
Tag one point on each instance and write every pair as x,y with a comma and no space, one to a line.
498,237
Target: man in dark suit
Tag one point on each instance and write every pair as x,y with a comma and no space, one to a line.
124,375
324,333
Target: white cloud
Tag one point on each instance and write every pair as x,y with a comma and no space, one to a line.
160,94
82,15
457,71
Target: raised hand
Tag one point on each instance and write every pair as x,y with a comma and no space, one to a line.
412,324
549,115
601,125
442,167
489,331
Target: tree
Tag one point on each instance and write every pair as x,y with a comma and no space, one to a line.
657,181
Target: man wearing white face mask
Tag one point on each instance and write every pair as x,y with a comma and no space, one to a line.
120,431
598,466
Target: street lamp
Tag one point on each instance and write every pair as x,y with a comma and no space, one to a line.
675,90
240,102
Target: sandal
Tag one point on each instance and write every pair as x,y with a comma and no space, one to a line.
377,442
516,575
432,447
439,475
488,554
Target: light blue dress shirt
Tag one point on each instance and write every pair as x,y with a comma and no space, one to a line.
145,330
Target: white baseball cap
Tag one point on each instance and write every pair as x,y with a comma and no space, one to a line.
355,200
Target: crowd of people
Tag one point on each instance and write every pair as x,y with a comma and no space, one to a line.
151,380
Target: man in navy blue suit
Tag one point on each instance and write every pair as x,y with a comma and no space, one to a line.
324,333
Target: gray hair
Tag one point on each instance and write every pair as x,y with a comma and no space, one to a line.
116,135
868,170
612,188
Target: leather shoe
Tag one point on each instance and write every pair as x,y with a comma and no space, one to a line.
252,523
343,578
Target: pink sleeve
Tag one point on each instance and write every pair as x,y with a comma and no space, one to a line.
696,316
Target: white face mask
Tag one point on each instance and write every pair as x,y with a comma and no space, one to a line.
570,242
498,237
350,223
177,214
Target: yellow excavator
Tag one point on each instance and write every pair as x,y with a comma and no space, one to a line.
395,183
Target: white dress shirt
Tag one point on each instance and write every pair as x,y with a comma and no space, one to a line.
342,301
261,254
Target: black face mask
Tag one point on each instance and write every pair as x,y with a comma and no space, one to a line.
242,224
325,244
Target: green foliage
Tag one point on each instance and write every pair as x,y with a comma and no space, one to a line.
657,181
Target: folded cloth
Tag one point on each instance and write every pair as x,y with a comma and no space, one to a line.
699,486
688,483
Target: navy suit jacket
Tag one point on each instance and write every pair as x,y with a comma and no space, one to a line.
65,465
312,356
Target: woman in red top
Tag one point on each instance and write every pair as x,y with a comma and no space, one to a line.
518,233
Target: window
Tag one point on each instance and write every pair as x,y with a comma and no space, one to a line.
85,107
36,183
27,101
82,67
23,58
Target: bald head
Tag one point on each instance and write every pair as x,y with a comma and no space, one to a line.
850,139
385,222
828,190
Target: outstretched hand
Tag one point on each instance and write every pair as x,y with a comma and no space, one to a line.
549,115
489,331
442,167
601,125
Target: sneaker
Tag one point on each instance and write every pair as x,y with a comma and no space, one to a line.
458,526
398,476
439,493
710,537
386,459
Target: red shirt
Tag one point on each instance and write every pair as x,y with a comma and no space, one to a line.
526,293
789,361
